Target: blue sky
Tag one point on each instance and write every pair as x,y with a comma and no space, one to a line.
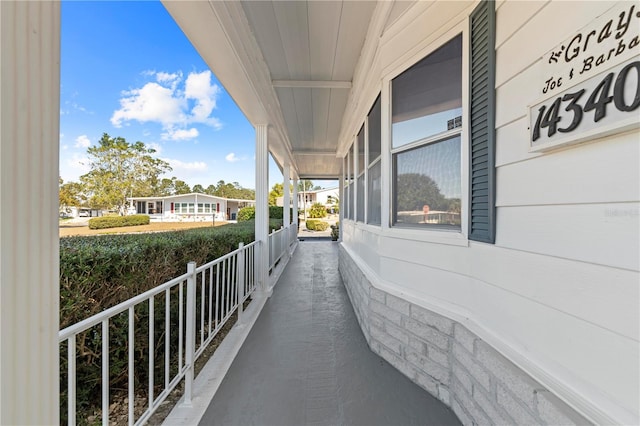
128,70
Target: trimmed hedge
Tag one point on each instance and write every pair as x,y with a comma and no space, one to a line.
316,225
98,272
118,221
249,213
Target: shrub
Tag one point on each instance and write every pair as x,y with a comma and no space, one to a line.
317,210
316,225
118,221
246,213
249,213
98,272
335,231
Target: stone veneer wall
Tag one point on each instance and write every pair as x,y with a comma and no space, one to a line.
448,361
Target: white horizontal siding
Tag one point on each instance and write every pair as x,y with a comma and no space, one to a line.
559,20
602,172
558,293
604,234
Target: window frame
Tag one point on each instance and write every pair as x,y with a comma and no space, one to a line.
427,233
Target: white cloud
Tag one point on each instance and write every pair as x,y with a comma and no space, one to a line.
163,102
82,141
79,163
178,165
180,134
152,102
231,157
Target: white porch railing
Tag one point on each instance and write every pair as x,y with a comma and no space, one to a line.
280,242
214,291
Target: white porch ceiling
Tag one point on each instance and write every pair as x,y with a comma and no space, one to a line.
289,64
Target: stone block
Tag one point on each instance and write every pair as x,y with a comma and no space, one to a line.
464,337
514,408
463,377
427,334
554,411
418,345
377,295
462,415
432,319
375,321
491,408
386,313
426,382
477,416
397,333
443,395
465,359
429,367
398,304
518,382
392,344
438,356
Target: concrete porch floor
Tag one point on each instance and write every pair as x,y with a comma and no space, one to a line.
306,362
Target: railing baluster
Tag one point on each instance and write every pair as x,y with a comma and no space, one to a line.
240,286
225,277
151,349
235,271
180,325
191,332
105,372
217,293
234,281
131,365
202,308
71,379
210,297
167,337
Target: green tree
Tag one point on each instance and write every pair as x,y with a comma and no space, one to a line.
70,194
414,191
306,185
198,188
180,187
119,169
276,191
211,190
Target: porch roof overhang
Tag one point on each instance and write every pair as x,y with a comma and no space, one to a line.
287,64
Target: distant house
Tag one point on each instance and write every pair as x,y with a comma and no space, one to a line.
187,207
327,197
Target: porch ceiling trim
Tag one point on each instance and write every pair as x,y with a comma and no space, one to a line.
221,29
311,84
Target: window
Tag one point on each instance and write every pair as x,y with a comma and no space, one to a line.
374,168
350,166
360,174
426,102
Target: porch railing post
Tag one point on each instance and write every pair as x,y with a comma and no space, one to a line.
191,332
240,284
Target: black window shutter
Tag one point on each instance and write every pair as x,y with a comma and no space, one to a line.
482,215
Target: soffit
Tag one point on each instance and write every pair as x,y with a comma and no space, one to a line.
289,64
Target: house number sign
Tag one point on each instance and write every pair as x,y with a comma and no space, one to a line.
589,84
606,103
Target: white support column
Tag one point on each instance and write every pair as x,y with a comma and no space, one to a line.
286,172
385,160
295,199
262,207
342,203
29,244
